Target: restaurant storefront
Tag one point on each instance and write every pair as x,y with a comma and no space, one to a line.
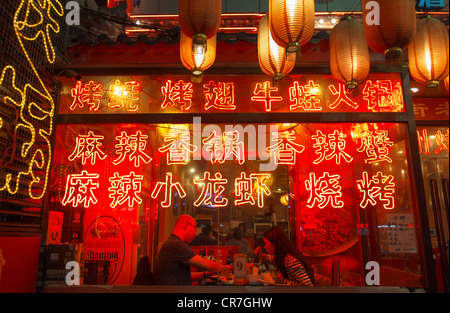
335,169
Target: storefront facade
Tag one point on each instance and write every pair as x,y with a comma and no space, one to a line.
357,179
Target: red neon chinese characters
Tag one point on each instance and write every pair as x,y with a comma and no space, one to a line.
133,146
211,187
305,97
342,97
375,146
330,147
124,95
125,189
213,145
423,139
219,96
177,94
380,186
168,186
441,141
263,93
232,146
80,189
90,94
88,147
324,190
244,189
381,96
285,150
178,147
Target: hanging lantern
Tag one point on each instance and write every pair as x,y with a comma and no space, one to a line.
349,52
428,53
446,83
291,22
389,26
272,57
197,63
199,20
284,199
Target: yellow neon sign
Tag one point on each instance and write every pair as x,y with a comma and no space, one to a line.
29,29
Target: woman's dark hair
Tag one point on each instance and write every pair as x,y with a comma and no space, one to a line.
284,246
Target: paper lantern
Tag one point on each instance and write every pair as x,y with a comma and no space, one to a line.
446,83
199,20
291,22
272,57
428,53
349,52
197,63
396,26
284,199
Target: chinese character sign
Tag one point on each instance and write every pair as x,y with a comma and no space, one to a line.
334,166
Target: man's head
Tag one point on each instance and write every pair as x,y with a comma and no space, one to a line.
185,228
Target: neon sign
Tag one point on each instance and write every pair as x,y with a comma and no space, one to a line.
377,95
382,96
32,101
90,94
88,147
438,142
331,146
124,95
245,187
178,147
179,93
322,189
133,146
381,187
375,146
219,96
263,93
125,188
211,187
306,97
80,189
168,186
342,97
285,150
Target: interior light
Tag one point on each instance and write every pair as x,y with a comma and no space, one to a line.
414,90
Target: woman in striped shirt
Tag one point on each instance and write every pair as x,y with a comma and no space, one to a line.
286,257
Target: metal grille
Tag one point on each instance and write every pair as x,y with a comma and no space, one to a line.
26,85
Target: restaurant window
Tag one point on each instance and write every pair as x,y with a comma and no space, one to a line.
433,149
341,191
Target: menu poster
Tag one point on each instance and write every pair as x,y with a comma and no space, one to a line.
401,235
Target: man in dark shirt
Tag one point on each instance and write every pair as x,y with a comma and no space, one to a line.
175,258
205,237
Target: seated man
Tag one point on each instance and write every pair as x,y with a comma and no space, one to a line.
175,258
205,238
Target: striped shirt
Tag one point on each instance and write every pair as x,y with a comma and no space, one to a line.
296,273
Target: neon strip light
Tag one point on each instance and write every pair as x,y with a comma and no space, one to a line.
379,187
324,190
168,186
